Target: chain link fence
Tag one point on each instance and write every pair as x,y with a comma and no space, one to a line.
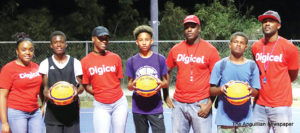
125,49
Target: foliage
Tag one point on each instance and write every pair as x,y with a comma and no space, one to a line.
219,21
171,22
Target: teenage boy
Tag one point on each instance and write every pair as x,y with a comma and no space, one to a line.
146,62
234,118
61,67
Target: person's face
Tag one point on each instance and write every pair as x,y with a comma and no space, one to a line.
100,42
270,26
238,45
144,41
191,31
25,52
58,44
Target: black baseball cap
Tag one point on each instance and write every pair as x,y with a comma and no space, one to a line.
100,31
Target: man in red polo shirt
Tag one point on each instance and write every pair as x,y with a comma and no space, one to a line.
278,62
195,59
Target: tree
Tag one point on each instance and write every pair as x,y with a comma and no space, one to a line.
171,22
219,21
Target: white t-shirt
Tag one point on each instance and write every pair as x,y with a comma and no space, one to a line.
43,69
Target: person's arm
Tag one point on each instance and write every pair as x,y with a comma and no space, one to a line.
170,70
216,90
168,100
3,111
131,84
165,82
88,88
79,86
253,92
46,91
293,74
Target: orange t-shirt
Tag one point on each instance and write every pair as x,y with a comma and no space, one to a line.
193,62
277,58
104,74
24,84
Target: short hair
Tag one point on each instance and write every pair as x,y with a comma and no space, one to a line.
58,33
242,34
142,28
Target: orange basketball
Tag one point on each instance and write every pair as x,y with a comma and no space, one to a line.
62,93
146,85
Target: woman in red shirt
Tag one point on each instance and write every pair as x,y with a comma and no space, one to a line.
20,85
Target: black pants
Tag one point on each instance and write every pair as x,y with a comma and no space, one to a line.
75,128
142,121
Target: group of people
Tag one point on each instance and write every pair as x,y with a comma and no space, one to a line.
201,77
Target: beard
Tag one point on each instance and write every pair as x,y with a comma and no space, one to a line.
269,33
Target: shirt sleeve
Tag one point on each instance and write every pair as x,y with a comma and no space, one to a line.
44,65
129,68
77,67
163,66
213,58
6,79
85,73
120,69
255,82
293,58
170,62
215,76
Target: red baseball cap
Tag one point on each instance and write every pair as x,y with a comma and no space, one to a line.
192,19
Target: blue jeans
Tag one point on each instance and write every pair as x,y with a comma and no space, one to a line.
25,122
110,116
279,118
185,115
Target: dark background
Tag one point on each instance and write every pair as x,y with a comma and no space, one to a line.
288,9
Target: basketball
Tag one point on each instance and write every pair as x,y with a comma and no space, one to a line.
62,93
237,93
146,85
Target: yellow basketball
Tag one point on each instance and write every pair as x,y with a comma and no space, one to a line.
146,86
237,93
62,93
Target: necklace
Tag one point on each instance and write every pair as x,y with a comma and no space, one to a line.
191,62
266,64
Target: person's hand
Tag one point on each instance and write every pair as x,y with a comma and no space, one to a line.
5,128
133,85
169,102
224,87
204,109
249,88
75,88
159,84
47,95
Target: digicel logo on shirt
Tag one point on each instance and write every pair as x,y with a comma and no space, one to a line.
101,70
29,75
191,58
268,57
